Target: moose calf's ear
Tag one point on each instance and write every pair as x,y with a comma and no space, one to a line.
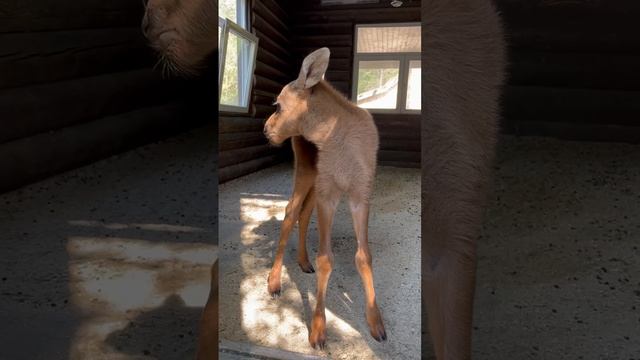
313,68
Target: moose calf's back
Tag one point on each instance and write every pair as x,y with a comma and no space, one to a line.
349,151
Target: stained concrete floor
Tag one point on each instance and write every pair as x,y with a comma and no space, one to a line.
559,270
250,213
111,261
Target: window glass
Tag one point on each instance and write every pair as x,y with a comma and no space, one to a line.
236,80
228,9
414,87
378,84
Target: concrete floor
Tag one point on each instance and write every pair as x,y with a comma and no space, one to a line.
111,261
558,269
251,210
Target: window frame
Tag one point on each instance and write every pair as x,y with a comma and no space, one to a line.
404,59
242,32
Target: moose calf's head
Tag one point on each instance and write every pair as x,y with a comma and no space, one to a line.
183,32
294,105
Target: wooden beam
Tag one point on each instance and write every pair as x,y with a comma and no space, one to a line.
567,105
38,15
236,156
229,124
41,108
231,141
575,70
33,158
33,58
241,169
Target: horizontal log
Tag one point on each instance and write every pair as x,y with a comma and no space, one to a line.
401,156
398,134
266,84
563,38
263,111
266,57
275,48
400,164
580,132
333,28
267,100
412,145
572,105
38,15
231,141
275,8
302,50
576,70
603,13
33,158
233,157
41,108
228,124
273,73
32,58
409,123
338,75
323,40
235,171
270,27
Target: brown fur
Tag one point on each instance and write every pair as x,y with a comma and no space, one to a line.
183,32
335,145
464,49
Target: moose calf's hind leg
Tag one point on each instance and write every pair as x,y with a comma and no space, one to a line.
360,215
303,225
291,217
324,263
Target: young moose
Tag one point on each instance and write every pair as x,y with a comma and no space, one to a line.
335,145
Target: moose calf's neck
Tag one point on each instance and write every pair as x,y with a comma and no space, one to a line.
330,117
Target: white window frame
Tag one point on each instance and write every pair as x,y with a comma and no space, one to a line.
403,74
227,25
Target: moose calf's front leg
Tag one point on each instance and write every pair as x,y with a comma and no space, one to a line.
324,262
360,215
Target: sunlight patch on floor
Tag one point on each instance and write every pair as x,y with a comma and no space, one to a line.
151,227
256,210
113,280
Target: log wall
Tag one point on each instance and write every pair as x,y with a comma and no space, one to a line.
573,69
315,26
243,148
77,85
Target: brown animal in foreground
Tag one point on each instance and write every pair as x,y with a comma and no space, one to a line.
463,43
335,145
183,33
464,47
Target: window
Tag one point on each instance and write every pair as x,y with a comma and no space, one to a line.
238,48
387,68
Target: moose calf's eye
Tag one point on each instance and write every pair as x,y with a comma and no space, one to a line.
277,105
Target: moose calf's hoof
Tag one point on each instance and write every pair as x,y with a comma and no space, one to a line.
318,340
379,333
274,288
318,336
376,326
306,267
